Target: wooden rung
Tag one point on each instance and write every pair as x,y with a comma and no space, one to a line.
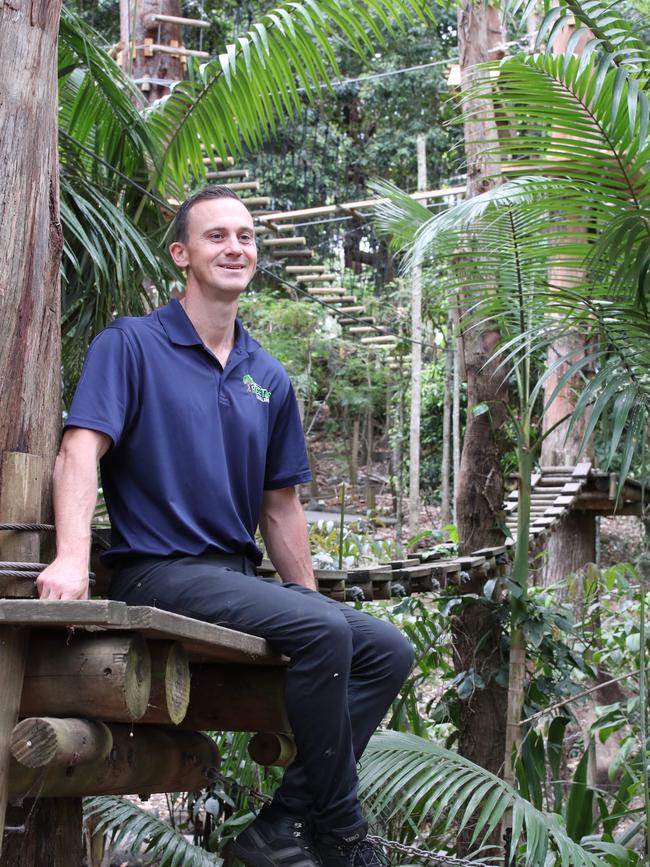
256,201
177,49
217,161
582,470
359,308
227,173
362,329
327,290
336,299
184,22
279,242
555,470
383,339
316,278
292,254
351,320
243,185
305,269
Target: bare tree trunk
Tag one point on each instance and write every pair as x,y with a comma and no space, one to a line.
455,421
479,492
416,361
137,23
30,311
566,552
30,344
354,454
445,475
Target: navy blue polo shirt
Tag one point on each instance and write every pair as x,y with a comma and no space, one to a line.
193,445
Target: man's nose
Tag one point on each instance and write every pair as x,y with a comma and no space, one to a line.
233,245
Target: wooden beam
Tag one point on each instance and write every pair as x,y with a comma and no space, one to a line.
226,174
305,269
40,741
144,759
283,242
170,683
361,205
104,677
327,290
237,698
184,22
156,48
316,278
268,749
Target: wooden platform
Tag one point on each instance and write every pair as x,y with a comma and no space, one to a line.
204,642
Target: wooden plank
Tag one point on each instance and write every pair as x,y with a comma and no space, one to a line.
582,470
203,641
64,613
184,22
470,562
489,553
571,487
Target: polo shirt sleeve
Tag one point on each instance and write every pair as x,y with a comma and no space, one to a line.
286,460
106,398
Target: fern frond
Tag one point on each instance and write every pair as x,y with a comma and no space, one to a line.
404,775
122,821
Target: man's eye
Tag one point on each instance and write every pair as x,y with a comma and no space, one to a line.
246,239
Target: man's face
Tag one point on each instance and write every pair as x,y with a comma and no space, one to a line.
219,253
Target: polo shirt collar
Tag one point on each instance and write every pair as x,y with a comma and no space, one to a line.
179,329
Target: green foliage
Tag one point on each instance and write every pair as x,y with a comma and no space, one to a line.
420,781
122,821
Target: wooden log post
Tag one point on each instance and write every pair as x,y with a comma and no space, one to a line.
267,749
102,677
170,683
40,741
20,501
143,759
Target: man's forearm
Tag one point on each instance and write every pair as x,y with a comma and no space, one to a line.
284,529
75,497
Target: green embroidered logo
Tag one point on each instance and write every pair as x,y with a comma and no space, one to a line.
260,393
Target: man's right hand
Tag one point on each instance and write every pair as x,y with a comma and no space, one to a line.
63,579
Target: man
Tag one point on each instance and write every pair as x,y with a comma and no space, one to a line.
199,439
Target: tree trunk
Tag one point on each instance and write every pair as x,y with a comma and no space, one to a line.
30,345
479,491
416,362
47,831
572,545
445,474
136,25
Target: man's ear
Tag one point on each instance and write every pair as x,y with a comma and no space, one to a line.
178,253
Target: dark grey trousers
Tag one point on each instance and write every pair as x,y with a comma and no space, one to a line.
346,667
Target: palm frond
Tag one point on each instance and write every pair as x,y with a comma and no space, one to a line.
98,102
122,821
606,31
402,774
239,99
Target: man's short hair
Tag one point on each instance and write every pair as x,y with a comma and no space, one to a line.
214,191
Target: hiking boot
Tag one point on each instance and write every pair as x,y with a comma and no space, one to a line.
276,840
336,852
